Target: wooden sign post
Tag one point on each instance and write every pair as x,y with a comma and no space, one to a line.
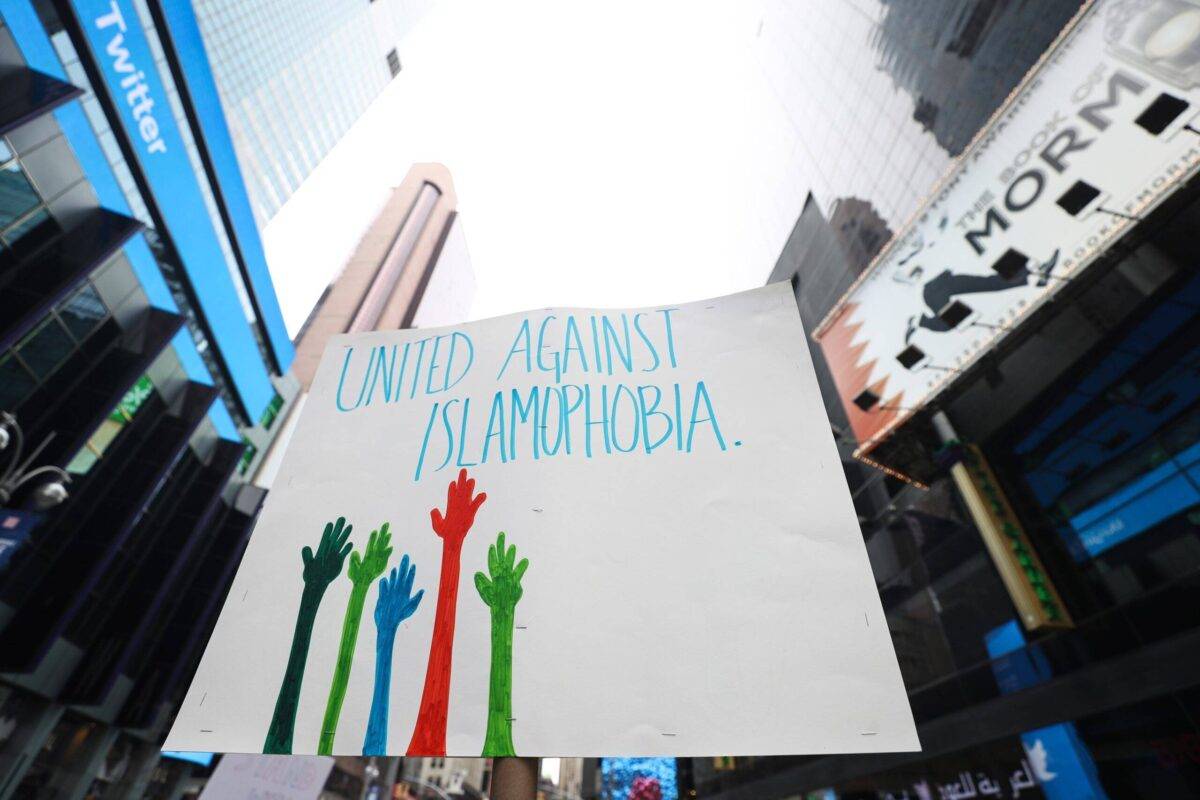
515,778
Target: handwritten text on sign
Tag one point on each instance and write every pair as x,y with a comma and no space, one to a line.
568,415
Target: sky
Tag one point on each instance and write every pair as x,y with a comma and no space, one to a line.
623,158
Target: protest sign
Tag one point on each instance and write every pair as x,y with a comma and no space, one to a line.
242,777
565,532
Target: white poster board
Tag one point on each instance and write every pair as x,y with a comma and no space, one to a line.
245,777
692,578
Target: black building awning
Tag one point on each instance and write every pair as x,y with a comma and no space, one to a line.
26,95
30,287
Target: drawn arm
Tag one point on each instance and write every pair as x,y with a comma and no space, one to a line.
396,603
429,734
362,572
501,592
320,570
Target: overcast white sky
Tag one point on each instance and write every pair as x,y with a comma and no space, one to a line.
627,155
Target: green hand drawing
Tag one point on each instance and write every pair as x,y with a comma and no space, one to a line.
362,572
319,572
501,593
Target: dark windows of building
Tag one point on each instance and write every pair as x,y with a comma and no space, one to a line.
393,61
45,347
24,221
1113,465
17,195
36,356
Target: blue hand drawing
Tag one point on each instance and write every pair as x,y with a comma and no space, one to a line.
396,603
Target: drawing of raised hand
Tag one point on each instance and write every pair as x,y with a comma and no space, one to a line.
503,589
319,570
396,603
322,568
429,734
500,590
460,510
363,570
366,568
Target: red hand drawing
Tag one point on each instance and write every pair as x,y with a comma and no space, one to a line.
429,736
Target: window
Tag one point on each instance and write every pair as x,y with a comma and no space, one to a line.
16,382
46,347
24,221
83,312
393,60
17,195
111,427
36,357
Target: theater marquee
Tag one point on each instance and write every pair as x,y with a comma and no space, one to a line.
1098,133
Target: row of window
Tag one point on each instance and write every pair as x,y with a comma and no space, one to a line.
41,351
24,220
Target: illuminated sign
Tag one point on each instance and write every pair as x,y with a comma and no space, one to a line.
1097,134
1020,569
121,49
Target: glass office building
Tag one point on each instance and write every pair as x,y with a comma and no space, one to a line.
1031,513
142,370
294,75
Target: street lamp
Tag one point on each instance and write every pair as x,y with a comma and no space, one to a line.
18,473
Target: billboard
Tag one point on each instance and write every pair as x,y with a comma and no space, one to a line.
566,532
1097,134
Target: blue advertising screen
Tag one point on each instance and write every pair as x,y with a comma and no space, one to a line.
638,779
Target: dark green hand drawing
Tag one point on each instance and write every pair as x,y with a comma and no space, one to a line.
501,593
362,572
319,572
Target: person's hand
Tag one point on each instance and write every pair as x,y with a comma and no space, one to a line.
396,601
370,565
322,568
460,510
503,590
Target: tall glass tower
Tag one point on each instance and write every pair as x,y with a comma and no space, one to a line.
294,75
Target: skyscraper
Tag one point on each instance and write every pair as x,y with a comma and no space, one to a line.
1022,459
410,269
294,75
143,372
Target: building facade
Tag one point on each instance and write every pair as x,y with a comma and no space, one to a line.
294,76
411,268
1017,431
142,377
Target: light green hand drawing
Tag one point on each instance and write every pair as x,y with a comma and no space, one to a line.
363,571
501,592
